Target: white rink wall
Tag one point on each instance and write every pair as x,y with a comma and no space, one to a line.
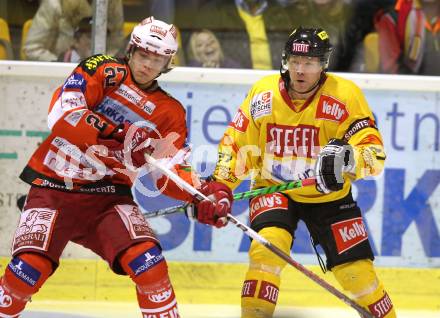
401,207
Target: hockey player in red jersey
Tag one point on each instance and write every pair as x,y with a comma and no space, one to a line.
301,123
105,117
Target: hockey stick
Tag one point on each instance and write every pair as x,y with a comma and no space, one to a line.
240,196
254,235
275,188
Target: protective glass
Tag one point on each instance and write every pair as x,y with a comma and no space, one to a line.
304,64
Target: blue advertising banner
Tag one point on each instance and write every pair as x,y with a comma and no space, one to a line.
401,207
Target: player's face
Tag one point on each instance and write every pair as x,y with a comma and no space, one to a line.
146,66
304,72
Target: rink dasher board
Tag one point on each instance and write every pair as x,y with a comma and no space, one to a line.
401,207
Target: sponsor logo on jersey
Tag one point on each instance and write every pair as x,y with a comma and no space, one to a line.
94,61
76,82
34,229
129,94
382,307
359,125
329,108
137,97
249,288
268,292
267,202
71,100
161,296
349,233
300,47
291,170
118,113
261,105
299,141
148,107
5,300
145,261
225,173
167,311
57,162
73,151
240,122
74,117
24,271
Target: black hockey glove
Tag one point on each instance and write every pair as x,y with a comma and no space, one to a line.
334,159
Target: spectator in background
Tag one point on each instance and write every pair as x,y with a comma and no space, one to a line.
82,43
332,16
359,25
251,13
401,37
274,23
54,24
204,50
430,64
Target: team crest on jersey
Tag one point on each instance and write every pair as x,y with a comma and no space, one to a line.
329,108
261,105
134,222
35,229
240,122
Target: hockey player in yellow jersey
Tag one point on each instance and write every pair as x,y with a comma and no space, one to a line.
306,123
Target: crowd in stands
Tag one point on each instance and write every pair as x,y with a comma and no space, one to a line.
375,36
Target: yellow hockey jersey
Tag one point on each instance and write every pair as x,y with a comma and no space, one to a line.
275,139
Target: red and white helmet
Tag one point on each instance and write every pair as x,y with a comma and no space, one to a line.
155,36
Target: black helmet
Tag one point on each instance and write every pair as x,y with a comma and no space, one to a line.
307,42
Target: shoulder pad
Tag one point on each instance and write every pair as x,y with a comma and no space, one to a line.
171,97
91,64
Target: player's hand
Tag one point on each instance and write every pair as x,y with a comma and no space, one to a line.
333,160
215,210
127,144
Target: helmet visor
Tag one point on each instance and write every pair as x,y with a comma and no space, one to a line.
304,64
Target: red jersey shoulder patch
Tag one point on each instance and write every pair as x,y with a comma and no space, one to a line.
240,121
329,108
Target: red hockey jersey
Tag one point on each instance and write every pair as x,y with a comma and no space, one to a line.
100,94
